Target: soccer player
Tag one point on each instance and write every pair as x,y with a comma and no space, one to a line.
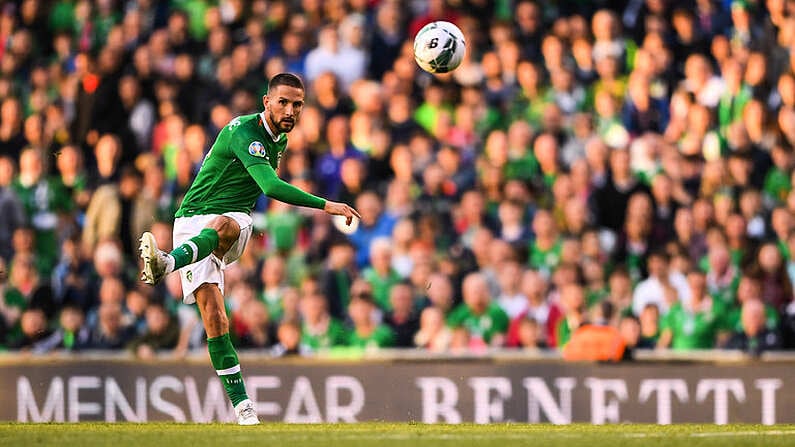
213,224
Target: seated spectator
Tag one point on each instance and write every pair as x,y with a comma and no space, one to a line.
697,323
485,321
29,287
257,330
530,335
572,302
336,276
649,326
290,304
596,290
663,287
319,330
755,336
749,289
403,235
439,293
240,294
346,62
288,340
33,324
381,276
461,342
273,285
162,332
403,320
545,248
71,335
135,303
510,299
512,226
723,276
111,290
433,334
629,328
109,331
776,287
620,290
10,207
70,276
374,223
366,332
534,289
12,303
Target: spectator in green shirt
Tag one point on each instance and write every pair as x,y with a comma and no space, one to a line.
483,319
381,276
319,330
777,180
545,248
273,286
12,304
750,289
572,300
735,96
722,275
45,201
696,324
367,333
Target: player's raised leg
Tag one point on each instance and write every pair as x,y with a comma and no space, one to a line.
217,237
222,353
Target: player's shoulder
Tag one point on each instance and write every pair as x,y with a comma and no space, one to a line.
241,124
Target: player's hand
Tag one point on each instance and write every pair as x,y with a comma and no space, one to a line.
341,209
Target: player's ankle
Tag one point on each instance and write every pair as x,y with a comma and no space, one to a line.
170,263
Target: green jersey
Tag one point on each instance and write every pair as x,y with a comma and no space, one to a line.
696,330
545,259
382,286
484,326
43,202
335,335
734,318
777,184
381,337
239,167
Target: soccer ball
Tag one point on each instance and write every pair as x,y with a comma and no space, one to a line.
439,47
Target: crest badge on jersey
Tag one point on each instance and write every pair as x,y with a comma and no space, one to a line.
257,149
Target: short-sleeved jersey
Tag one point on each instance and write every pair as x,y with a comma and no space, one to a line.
695,330
484,326
223,183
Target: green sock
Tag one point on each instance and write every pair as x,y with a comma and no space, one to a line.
226,365
195,249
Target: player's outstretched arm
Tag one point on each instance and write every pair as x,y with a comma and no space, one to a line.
278,189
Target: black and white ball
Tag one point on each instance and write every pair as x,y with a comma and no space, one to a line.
439,47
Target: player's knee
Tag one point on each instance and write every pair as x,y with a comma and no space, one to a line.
228,230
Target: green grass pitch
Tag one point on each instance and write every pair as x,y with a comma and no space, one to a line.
391,434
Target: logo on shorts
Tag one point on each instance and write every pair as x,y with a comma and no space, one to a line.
257,149
189,275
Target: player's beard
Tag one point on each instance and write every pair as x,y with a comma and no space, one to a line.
283,126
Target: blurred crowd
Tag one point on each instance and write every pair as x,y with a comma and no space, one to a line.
619,167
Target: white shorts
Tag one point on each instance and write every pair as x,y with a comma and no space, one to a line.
210,269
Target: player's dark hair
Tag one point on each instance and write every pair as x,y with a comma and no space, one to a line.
287,79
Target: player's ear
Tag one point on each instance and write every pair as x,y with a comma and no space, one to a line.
265,100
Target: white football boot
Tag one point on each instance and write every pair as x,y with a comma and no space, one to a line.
155,260
246,414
